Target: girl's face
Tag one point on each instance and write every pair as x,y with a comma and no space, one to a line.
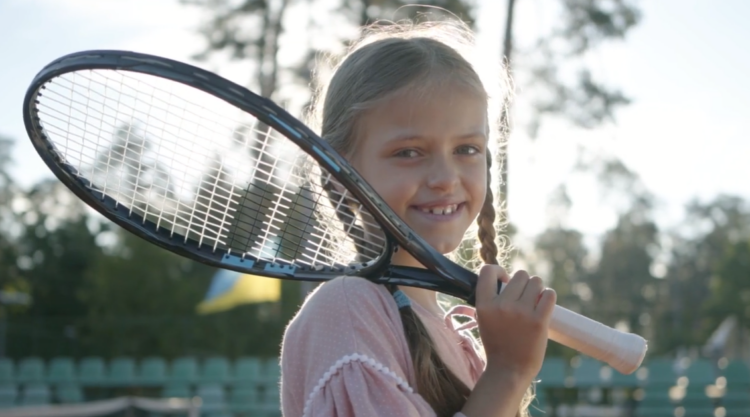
425,154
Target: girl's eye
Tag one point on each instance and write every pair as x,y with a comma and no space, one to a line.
468,150
407,153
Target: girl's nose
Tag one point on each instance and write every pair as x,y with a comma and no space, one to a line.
443,174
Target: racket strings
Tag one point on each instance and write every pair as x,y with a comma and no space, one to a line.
202,170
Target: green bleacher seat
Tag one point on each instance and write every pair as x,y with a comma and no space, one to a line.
7,371
271,372
30,370
213,399
553,373
620,380
700,373
152,371
69,394
737,374
91,371
35,394
121,372
8,395
736,399
184,370
660,372
656,411
587,373
696,398
61,370
247,370
271,401
215,369
244,400
655,397
176,390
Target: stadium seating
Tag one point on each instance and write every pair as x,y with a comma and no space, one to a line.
8,395
152,372
30,370
248,386
35,394
122,372
91,371
61,370
7,371
184,370
69,394
215,369
247,371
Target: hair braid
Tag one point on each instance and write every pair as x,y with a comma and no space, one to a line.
486,221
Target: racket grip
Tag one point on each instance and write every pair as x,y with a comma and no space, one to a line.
622,351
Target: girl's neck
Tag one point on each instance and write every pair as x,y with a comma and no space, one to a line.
426,299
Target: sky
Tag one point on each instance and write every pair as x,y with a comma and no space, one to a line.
684,67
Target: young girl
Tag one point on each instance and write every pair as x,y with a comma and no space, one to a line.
411,114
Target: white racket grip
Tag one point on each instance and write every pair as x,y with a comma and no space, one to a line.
622,351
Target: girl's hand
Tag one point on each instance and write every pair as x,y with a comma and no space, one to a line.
513,324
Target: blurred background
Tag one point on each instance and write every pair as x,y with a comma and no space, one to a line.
626,189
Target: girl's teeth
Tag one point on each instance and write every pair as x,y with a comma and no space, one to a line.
442,210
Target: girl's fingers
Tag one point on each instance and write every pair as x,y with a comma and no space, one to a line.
546,304
534,288
516,285
488,281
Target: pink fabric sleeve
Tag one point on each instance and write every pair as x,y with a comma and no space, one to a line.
345,355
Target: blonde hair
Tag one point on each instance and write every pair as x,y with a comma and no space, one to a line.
397,58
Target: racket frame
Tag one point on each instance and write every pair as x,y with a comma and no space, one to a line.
441,275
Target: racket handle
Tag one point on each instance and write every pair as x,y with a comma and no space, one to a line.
622,351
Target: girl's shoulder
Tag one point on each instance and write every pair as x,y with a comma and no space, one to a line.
348,290
350,310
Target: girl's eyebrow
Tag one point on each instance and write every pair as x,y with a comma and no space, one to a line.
409,136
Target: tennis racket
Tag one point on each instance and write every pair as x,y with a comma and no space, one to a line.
205,168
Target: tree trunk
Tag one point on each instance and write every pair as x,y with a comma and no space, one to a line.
504,125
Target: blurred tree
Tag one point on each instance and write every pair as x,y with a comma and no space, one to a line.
251,30
583,25
10,276
730,287
55,249
702,247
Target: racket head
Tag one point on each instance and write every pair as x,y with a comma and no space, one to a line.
74,103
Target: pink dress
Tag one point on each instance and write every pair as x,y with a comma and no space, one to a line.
345,354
